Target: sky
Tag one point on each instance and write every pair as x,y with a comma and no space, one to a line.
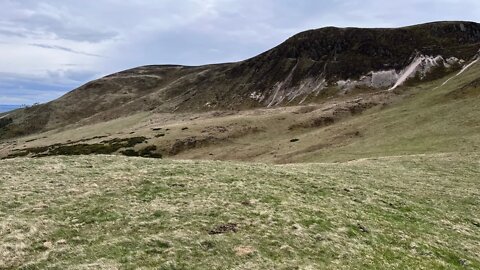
50,47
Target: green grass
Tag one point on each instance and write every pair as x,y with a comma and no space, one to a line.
112,212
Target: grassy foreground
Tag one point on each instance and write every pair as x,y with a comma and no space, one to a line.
113,212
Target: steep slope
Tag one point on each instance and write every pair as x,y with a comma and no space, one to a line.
308,67
436,117
433,117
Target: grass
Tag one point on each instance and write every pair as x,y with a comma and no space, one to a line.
113,212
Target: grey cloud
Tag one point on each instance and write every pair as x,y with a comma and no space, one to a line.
61,48
6,32
48,79
40,23
43,19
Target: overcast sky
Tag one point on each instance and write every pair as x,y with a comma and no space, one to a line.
50,47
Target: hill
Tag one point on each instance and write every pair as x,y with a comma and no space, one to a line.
431,117
309,67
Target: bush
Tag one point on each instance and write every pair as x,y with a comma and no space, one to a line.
5,122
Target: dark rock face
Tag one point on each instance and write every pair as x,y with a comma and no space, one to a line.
308,63
348,53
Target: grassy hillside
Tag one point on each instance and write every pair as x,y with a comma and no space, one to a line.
427,118
109,212
301,69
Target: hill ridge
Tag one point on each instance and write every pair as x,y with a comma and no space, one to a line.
308,67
